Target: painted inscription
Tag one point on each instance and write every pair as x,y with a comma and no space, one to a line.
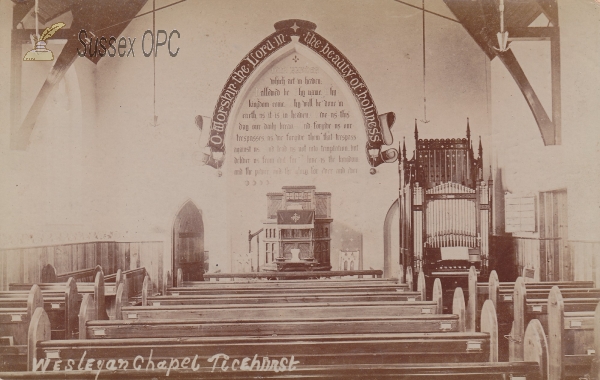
306,36
295,121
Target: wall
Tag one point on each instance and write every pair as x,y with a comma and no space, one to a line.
523,164
23,265
146,172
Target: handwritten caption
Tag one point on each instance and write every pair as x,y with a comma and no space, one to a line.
218,362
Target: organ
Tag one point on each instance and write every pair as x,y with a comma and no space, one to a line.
445,206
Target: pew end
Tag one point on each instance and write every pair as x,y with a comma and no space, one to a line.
168,282
180,277
34,299
536,346
471,317
421,285
87,312
48,274
437,295
120,301
458,308
99,296
493,286
489,324
39,329
71,308
409,278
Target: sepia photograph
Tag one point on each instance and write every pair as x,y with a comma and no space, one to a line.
300,189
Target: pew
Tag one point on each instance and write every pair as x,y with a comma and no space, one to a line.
526,308
375,273
230,322
15,317
502,295
571,346
61,304
465,355
133,278
49,275
103,294
314,349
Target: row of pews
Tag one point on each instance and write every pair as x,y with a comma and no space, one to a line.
567,313
323,329
62,300
330,329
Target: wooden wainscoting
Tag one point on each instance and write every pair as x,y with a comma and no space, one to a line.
25,264
585,260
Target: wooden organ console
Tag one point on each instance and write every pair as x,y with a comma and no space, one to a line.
445,210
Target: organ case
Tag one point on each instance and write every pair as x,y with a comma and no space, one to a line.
445,206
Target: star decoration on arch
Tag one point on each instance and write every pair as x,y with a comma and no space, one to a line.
295,27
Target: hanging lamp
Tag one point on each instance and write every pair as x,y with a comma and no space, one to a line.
424,120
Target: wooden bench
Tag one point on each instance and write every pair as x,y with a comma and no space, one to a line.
49,275
466,356
104,294
133,279
15,318
61,303
280,298
502,295
571,345
527,308
375,273
231,322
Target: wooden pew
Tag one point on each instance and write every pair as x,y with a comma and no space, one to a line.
251,280
313,349
233,323
446,371
103,294
49,275
526,308
570,339
467,356
15,317
133,279
375,273
61,303
502,295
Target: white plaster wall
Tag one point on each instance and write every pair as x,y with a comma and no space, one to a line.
529,167
144,172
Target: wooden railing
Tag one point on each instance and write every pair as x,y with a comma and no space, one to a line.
375,273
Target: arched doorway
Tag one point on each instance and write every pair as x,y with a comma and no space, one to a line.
188,243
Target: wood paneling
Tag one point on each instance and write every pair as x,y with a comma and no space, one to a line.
585,260
24,264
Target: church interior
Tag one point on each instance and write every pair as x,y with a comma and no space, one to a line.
429,165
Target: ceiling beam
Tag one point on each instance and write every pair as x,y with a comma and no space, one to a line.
545,125
481,20
550,10
20,10
117,15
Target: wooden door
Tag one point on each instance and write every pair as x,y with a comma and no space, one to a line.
188,243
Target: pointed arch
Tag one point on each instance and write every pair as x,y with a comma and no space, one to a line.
299,34
188,243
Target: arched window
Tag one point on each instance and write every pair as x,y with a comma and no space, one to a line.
345,265
351,265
